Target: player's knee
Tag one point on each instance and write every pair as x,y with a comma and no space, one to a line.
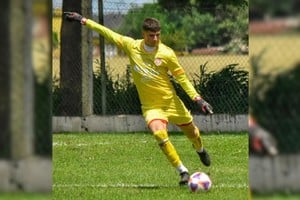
157,124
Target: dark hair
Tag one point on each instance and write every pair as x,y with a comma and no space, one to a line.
151,24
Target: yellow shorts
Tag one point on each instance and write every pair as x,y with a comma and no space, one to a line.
175,112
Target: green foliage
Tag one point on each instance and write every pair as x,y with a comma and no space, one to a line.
190,27
205,29
233,26
259,9
174,4
203,5
42,117
121,95
131,166
195,26
176,40
56,99
133,20
226,90
274,102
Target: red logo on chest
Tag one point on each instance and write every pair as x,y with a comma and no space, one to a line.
157,61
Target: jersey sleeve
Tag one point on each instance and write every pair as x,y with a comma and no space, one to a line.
123,42
179,74
187,85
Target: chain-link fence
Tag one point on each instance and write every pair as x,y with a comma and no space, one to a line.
275,62
275,67
216,63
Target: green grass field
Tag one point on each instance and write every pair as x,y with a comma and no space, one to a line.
131,166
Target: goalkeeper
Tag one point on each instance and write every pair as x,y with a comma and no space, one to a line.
151,61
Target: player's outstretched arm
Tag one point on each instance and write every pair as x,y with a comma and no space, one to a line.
116,38
190,90
205,107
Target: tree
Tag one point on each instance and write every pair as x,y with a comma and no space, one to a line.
259,9
174,4
233,26
189,26
132,25
205,29
201,5
200,29
172,34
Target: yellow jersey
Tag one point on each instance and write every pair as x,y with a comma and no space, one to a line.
150,71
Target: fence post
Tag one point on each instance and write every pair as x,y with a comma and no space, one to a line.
21,169
21,80
87,63
4,81
102,60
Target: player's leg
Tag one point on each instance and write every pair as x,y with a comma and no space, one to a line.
179,115
193,134
159,130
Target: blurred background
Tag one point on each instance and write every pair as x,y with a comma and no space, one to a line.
25,100
274,162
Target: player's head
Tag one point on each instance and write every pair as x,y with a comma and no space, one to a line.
151,24
151,31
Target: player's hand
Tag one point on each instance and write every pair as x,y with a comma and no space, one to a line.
73,16
205,107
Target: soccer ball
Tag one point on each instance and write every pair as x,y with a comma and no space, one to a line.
199,181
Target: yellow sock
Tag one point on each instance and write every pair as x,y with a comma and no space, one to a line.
194,136
167,147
